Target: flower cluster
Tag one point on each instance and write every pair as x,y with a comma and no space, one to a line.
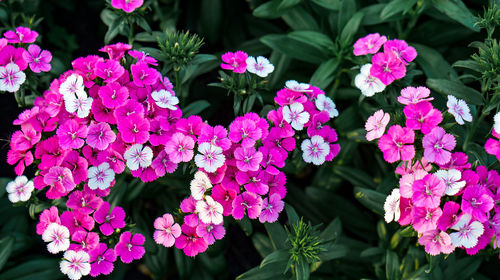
492,145
386,66
239,168
449,204
17,52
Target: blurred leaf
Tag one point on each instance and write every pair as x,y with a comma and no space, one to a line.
143,24
113,29
346,12
457,10
371,252
302,270
313,38
408,231
350,29
372,14
245,225
6,245
294,48
291,214
323,76
269,9
277,235
397,6
468,64
355,176
286,4
277,256
463,268
262,244
392,266
333,251
332,231
433,63
107,16
267,272
299,19
211,19
457,89
371,199
333,5
41,268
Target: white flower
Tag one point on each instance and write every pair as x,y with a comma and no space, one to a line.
20,189
459,109
58,236
164,99
11,78
211,157
72,85
295,115
199,185
468,233
75,264
78,103
324,103
496,124
368,84
298,87
260,67
315,150
391,207
100,176
451,179
137,156
209,211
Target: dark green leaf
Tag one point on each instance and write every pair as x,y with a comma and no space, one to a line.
6,245
457,10
397,6
143,24
195,108
277,235
294,48
291,214
469,64
463,268
333,251
107,16
371,199
246,225
355,176
408,231
280,256
302,270
347,10
332,231
323,76
392,270
433,63
286,4
32,268
333,5
350,29
262,244
113,29
313,38
457,89
372,252
269,10
299,19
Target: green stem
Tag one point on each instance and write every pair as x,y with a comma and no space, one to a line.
473,128
130,33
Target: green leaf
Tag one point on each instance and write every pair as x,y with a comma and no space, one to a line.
291,214
262,244
302,270
323,76
333,5
269,10
355,176
6,245
147,36
408,231
392,270
372,14
371,199
433,63
299,19
107,16
113,29
211,19
277,235
457,89
246,225
313,38
333,251
195,108
463,268
294,48
286,4
350,29
457,10
332,231
347,10
142,22
268,272
279,256
468,64
33,268
397,6
372,252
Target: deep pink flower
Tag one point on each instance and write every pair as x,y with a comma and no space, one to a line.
248,201
235,61
127,5
60,182
102,113
393,143
492,145
190,242
406,209
210,232
272,159
225,197
449,216
144,75
47,217
285,129
458,161
422,116
412,95
101,260
144,57
180,148
162,164
166,230
477,201
247,159
130,247
191,126
436,242
425,219
71,134
427,192
109,70
39,61
113,94
369,44
216,136
24,139
271,207
21,35
253,181
244,130
84,201
76,220
387,68
10,54
116,51
134,130
483,240
100,136
22,158
401,50
438,146
130,108
288,96
85,241
109,221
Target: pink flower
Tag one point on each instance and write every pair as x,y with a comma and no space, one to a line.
134,129
76,220
100,136
180,148
477,201
449,216
412,95
437,146
130,247
427,192
109,221
190,242
467,232
401,50
253,182
127,5
216,135
130,108
371,43
21,35
436,242
166,230
143,75
375,125
244,130
271,207
60,181
39,61
425,219
315,150
116,51
100,177
492,146
162,164
210,232
393,143
101,260
247,159
225,197
109,70
78,166
210,157
422,116
458,161
86,241
113,95
11,77
24,139
84,201
47,217
11,54
248,201
71,134
387,68
235,61
142,56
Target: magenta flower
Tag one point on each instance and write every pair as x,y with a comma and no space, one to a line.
127,5
84,201
492,145
248,201
47,217
60,182
78,166
458,161
235,61
253,182
438,146
425,219
24,139
113,95
369,44
216,135
401,50
100,136
144,57
427,192
393,143
449,216
180,148
130,108
225,197
477,201
422,116
210,232
109,221
11,77
77,221
387,68
247,159
134,129
436,242
166,230
162,164
130,247
11,54
412,95
39,61
116,51
85,241
467,232
143,75
271,207
101,260
190,241
109,70
71,134
244,130
21,35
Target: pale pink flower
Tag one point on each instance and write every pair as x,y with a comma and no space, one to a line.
295,115
459,109
209,211
325,103
412,95
11,78
75,264
20,189
166,230
468,232
369,44
165,99
259,66
199,185
138,156
315,150
100,176
58,237
210,157
391,206
375,125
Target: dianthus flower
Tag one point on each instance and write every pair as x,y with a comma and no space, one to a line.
325,103
101,260
209,211
235,61
166,230
100,176
375,125
247,159
295,115
315,150
21,35
248,201
75,264
58,238
210,157
368,84
414,95
401,50
438,145
11,77
391,206
459,109
210,232
38,60
20,189
259,66
427,192
422,116
467,232
387,68
180,148
271,207
393,143
190,241
130,247
477,201
436,242
100,136
109,220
